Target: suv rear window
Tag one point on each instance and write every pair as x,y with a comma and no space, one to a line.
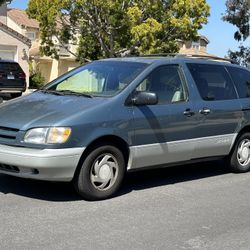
212,81
10,67
241,78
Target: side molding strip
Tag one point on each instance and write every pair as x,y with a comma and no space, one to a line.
177,151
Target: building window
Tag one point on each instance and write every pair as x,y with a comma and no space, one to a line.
31,35
195,45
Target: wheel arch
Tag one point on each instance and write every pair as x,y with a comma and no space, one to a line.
245,129
114,140
236,164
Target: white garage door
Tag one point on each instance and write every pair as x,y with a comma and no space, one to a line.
7,55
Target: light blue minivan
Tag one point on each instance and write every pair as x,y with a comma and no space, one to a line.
95,123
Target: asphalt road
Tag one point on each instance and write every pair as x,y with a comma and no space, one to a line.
202,206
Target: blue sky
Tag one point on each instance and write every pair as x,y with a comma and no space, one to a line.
219,33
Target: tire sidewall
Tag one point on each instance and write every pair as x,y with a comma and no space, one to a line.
235,165
84,185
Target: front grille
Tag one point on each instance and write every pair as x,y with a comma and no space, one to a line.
9,168
8,137
8,134
9,129
16,170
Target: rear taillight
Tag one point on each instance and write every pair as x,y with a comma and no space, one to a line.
21,76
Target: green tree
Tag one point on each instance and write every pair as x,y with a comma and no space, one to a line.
36,78
238,14
113,28
242,56
5,1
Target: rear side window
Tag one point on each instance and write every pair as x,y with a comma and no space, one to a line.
241,78
212,81
10,67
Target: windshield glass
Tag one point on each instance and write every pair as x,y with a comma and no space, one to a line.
106,78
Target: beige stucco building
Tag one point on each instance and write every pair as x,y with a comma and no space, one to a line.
49,67
198,47
13,44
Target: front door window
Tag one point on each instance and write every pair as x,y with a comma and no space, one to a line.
166,82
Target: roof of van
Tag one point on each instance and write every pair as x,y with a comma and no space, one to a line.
175,58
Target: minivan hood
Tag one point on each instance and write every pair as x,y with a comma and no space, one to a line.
43,109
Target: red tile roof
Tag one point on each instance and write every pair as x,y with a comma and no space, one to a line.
20,17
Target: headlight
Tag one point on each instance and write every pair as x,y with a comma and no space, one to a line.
55,135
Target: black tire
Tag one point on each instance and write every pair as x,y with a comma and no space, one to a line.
84,181
15,95
239,161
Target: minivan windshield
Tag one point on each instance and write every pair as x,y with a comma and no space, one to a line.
101,78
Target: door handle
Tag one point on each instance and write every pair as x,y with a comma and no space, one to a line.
188,113
205,111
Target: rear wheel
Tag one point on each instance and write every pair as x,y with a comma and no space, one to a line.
240,157
101,174
15,95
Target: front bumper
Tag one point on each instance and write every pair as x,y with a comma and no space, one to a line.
41,164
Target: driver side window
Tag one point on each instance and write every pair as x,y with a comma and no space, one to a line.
166,82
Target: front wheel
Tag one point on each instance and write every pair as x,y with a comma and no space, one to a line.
101,173
240,157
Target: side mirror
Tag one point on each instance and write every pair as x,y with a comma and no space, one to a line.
1,100
144,98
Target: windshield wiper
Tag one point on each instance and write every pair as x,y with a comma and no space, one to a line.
66,92
70,92
47,91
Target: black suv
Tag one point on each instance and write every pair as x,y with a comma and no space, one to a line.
12,78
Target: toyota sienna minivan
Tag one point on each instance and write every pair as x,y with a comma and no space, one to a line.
101,120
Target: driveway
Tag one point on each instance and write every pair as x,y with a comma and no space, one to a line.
202,206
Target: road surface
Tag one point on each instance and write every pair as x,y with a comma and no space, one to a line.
202,206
